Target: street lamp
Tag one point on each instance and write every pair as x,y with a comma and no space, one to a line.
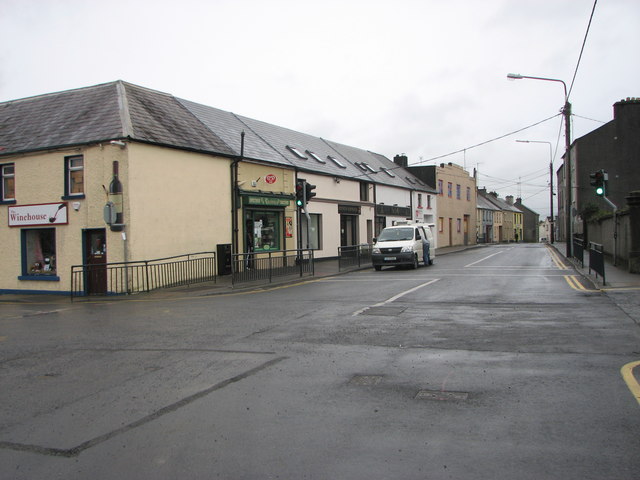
550,181
566,112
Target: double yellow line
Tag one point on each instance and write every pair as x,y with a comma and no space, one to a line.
573,282
556,259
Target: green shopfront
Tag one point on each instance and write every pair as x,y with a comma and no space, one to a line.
268,222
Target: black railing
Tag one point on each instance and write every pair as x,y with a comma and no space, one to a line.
578,250
142,276
596,259
265,266
354,256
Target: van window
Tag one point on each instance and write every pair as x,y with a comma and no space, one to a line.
396,234
418,237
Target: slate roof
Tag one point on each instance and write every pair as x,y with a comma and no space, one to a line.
485,204
120,110
110,111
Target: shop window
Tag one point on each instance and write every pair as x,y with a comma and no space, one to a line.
315,232
8,184
265,229
73,177
39,254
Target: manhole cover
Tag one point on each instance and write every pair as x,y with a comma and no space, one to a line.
384,311
365,380
442,396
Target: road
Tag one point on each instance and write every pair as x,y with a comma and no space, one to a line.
494,363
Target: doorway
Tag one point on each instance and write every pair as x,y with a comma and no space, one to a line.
95,259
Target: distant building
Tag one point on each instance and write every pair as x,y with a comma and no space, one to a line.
530,221
457,205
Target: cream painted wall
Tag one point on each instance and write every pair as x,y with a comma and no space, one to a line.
39,179
176,202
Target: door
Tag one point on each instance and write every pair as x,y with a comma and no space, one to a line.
95,259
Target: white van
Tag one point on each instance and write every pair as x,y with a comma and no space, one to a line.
403,244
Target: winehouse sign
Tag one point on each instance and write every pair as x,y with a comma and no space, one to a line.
40,214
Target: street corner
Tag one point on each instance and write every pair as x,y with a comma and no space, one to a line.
631,375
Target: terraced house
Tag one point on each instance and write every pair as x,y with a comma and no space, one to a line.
118,172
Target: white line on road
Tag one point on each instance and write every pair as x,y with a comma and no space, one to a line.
483,259
396,297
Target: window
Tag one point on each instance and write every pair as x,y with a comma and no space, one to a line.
315,157
429,202
336,161
388,172
440,187
73,177
458,225
364,192
449,189
296,152
315,238
440,224
8,184
419,200
264,230
39,254
458,191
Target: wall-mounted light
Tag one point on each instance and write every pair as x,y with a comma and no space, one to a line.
118,143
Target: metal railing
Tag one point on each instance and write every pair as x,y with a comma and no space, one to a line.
596,259
265,266
354,256
142,276
578,249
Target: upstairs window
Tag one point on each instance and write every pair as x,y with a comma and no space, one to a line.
388,172
364,192
468,194
336,161
74,176
315,157
449,189
8,183
458,191
296,152
440,187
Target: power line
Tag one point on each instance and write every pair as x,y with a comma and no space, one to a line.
487,141
582,49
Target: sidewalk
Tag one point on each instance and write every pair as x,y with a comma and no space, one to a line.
615,277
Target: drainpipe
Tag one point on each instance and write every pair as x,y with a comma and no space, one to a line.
234,197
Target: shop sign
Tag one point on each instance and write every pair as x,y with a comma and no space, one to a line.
266,201
41,214
349,209
393,210
270,179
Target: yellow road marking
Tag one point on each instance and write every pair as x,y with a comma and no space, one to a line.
630,379
573,282
556,259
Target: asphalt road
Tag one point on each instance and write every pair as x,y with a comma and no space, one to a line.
494,363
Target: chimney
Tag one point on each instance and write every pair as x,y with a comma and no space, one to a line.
624,103
401,160
509,199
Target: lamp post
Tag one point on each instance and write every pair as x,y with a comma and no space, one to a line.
566,112
552,237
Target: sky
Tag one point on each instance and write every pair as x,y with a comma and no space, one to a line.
427,78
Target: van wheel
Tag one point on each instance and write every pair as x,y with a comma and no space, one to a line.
415,262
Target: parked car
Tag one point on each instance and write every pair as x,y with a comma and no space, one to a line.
403,244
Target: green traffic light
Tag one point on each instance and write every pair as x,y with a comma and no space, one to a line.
599,191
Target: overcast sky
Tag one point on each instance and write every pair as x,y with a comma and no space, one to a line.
425,77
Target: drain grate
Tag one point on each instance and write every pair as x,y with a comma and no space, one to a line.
441,396
365,380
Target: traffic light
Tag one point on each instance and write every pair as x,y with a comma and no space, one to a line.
300,198
599,181
309,192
